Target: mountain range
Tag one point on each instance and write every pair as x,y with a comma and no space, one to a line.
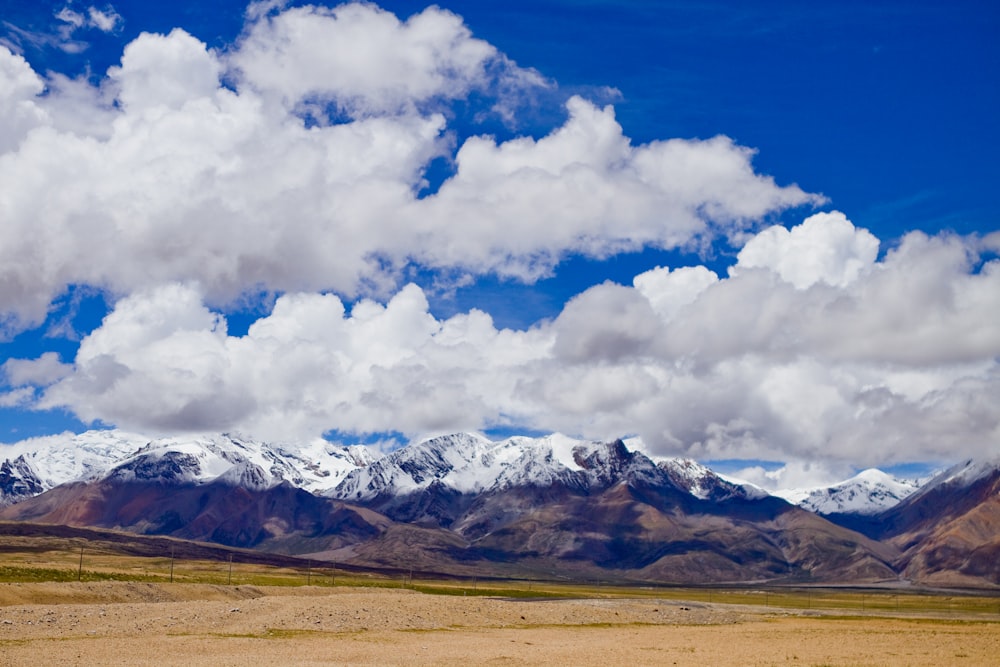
549,506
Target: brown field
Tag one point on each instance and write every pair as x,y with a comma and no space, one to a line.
86,597
145,623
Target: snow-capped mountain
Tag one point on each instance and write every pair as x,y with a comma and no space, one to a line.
241,462
949,530
18,481
867,493
961,475
466,463
462,463
417,466
463,501
37,465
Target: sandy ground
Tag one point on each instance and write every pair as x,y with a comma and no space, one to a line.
145,624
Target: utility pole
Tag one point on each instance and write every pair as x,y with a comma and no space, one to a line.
79,569
171,564
230,582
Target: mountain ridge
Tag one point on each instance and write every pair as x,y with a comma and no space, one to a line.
464,503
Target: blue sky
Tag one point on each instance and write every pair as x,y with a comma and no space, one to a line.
300,220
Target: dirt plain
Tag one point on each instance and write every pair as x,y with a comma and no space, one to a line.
128,623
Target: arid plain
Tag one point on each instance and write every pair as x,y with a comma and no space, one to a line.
134,623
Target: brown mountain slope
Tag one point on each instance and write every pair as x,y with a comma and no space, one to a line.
632,531
21,537
950,534
281,519
618,516
620,530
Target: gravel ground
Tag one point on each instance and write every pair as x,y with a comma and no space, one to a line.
147,624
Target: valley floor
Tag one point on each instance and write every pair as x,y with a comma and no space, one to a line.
138,624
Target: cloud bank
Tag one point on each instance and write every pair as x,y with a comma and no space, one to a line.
896,364
294,163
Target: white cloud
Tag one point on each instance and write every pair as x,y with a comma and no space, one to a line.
105,20
743,367
518,207
165,71
362,58
185,179
162,361
668,292
608,322
73,18
19,87
16,398
825,248
795,475
42,371
70,22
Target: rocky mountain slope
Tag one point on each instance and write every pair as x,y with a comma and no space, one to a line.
463,503
948,531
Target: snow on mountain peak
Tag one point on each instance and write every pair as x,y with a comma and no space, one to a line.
177,460
704,483
964,474
869,492
464,463
969,471
468,463
65,458
43,463
414,467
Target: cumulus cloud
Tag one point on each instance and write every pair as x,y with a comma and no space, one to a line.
19,86
226,169
825,248
163,361
668,292
164,72
748,366
518,207
608,322
364,59
291,164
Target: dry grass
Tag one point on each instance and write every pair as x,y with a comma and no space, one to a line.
107,623
265,609
49,559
